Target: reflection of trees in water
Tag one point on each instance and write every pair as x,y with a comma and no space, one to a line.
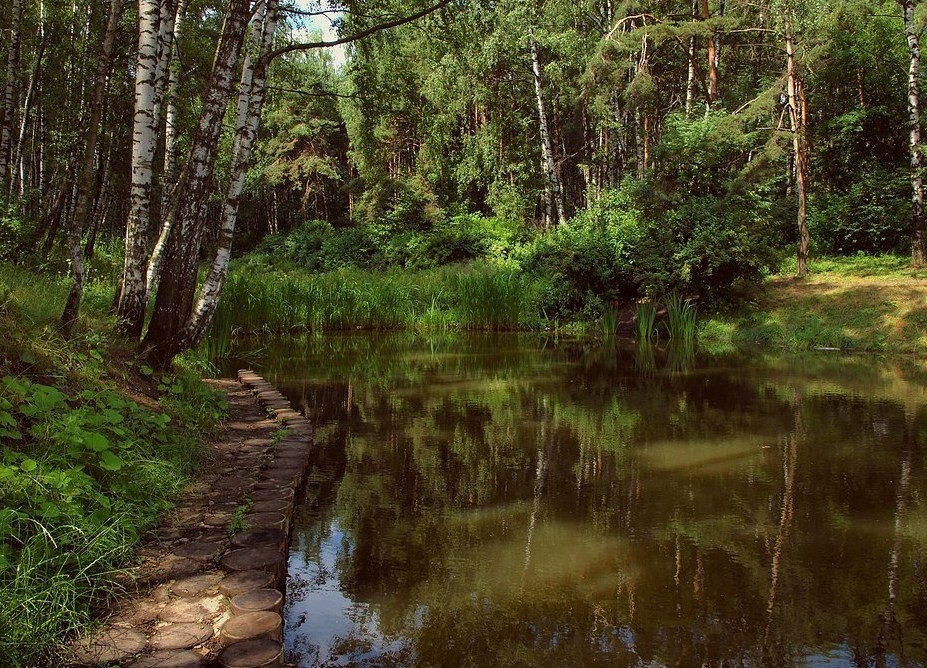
668,531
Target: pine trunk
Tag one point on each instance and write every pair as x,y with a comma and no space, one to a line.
547,148
166,336
133,299
798,118
918,227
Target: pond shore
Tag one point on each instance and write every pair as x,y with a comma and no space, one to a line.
209,587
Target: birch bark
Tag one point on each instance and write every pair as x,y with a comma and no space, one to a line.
133,299
87,173
252,90
9,94
165,337
169,172
547,149
918,226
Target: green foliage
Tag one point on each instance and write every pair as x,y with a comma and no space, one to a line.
645,322
873,216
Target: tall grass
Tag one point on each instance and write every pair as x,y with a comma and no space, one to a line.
476,297
645,322
680,319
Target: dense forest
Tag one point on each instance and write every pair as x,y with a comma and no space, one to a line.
601,151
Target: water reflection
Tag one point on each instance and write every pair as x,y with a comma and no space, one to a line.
518,502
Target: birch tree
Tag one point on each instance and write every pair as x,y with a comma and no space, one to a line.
252,90
87,172
918,226
9,94
555,190
133,298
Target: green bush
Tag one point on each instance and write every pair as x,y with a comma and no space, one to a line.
589,261
873,216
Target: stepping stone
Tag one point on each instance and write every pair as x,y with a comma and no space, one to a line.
260,442
139,613
197,585
173,658
250,626
272,493
181,636
217,520
261,537
260,653
200,551
278,506
257,558
267,521
259,600
110,646
275,484
184,610
245,581
173,567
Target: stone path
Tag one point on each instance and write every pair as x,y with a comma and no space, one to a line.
209,590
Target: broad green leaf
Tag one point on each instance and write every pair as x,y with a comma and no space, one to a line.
96,442
29,465
109,461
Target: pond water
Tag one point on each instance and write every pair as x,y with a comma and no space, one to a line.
521,501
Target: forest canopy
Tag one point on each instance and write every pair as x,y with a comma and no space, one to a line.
615,151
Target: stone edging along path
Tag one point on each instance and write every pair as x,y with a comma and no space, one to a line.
208,594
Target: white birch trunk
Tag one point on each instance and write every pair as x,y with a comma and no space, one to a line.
177,287
251,96
133,299
547,149
9,94
169,172
690,81
919,230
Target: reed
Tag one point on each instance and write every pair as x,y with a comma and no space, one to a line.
609,321
645,322
475,297
680,319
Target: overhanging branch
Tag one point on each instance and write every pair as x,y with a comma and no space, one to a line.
304,46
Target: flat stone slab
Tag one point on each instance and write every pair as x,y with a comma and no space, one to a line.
274,506
267,520
181,636
273,493
258,442
261,537
184,610
200,550
168,659
173,567
110,646
245,581
261,653
251,625
196,585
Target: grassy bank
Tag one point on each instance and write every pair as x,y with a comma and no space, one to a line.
856,304
93,452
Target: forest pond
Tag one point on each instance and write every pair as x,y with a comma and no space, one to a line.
513,500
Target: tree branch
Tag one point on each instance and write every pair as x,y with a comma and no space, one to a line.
304,46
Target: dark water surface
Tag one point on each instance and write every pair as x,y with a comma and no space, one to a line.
515,501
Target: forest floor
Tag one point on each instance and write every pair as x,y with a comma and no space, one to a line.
851,304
